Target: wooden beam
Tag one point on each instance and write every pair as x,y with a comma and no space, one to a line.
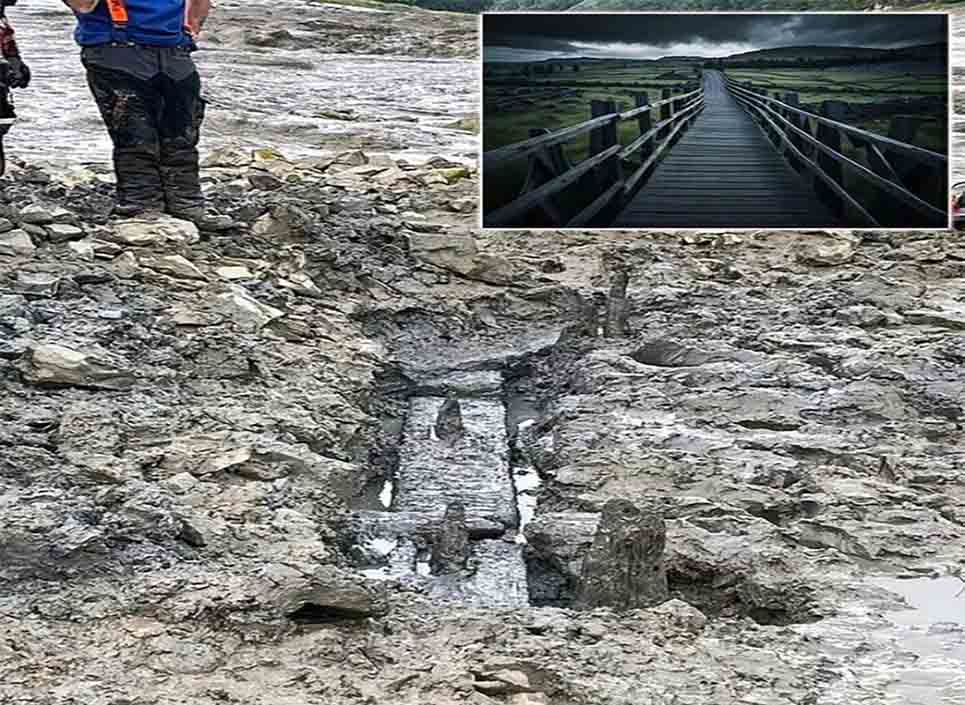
896,190
494,157
909,150
602,201
521,205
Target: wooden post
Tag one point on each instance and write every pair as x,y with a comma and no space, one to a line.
830,136
666,111
601,139
545,164
645,123
792,99
926,181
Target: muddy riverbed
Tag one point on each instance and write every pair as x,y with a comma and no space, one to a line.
229,466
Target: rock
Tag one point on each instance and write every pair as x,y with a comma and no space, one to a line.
82,249
459,254
16,243
228,158
282,221
682,615
126,266
238,305
190,317
40,284
353,158
268,155
173,265
330,594
503,682
528,699
159,231
264,181
624,567
453,174
233,273
61,232
5,225
826,251
36,214
450,550
53,364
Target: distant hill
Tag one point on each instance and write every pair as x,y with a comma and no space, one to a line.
679,5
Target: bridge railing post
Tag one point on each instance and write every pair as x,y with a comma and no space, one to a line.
645,123
602,138
830,136
543,165
666,111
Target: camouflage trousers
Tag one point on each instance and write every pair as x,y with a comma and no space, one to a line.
150,100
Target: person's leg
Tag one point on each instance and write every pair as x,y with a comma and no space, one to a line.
130,108
180,131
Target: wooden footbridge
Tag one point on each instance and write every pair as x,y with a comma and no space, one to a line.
719,154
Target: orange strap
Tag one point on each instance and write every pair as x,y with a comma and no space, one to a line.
118,10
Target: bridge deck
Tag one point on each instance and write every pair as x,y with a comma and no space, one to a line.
724,173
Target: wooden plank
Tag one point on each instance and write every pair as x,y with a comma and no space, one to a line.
524,203
601,202
494,157
638,174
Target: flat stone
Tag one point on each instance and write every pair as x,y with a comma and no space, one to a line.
82,249
53,364
233,273
242,308
173,265
826,251
37,284
16,243
61,232
36,214
157,231
228,157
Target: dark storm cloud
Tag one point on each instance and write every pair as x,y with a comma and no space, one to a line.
569,32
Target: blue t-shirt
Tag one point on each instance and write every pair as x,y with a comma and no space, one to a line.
158,23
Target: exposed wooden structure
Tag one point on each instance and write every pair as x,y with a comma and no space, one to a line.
722,154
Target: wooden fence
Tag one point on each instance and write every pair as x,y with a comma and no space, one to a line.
550,173
901,172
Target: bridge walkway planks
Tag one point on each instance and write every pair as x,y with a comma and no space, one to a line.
724,173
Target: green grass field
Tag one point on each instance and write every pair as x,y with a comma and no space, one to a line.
502,126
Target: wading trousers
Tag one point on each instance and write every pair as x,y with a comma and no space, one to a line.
150,99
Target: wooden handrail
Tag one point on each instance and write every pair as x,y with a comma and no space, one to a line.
676,110
819,172
909,150
632,113
894,189
495,157
531,199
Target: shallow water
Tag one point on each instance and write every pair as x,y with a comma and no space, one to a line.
257,97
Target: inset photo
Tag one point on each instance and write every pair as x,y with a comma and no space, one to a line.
715,120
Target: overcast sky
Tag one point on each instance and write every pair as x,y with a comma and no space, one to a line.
537,36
